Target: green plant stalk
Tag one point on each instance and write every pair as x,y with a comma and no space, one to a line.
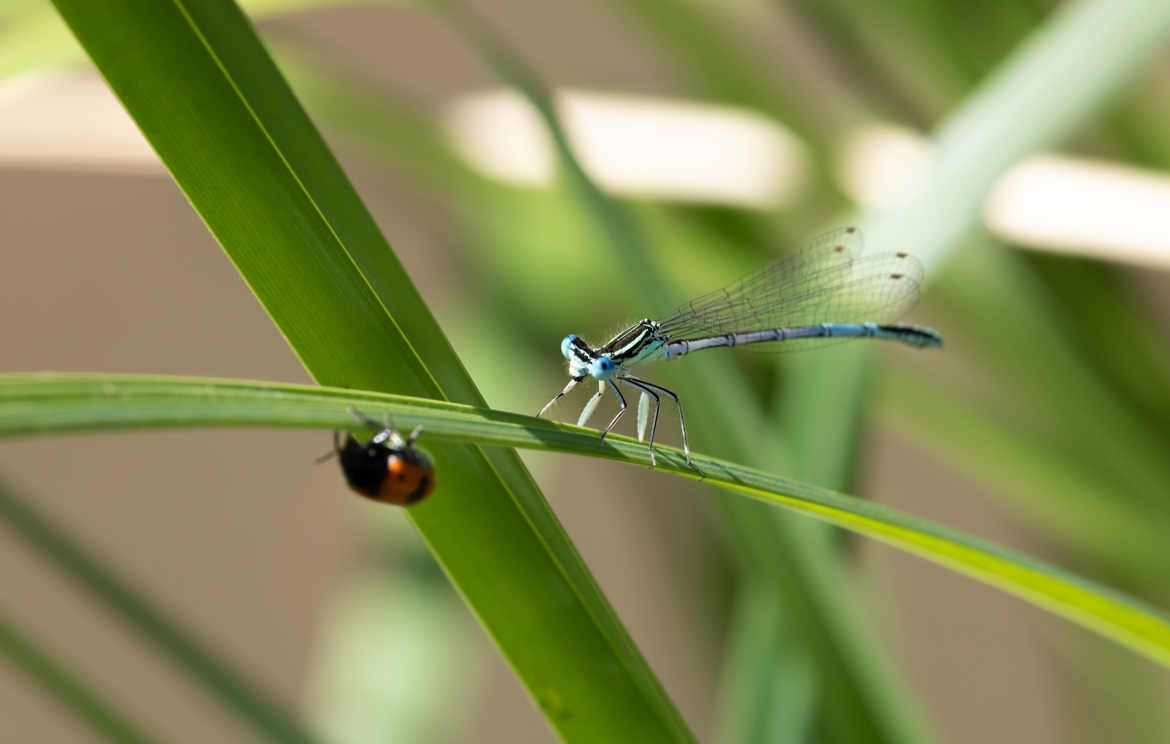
770,693
102,718
225,684
1025,105
200,86
50,403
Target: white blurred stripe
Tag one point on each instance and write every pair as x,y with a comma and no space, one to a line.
1047,202
666,150
639,146
1077,205
69,121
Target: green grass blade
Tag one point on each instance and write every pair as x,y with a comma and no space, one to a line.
771,690
49,403
201,87
101,717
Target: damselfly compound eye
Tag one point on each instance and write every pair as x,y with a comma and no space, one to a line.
601,368
567,344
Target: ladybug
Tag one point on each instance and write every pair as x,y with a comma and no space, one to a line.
388,468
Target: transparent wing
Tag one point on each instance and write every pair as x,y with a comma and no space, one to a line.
826,282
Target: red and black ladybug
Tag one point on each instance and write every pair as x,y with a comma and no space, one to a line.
388,468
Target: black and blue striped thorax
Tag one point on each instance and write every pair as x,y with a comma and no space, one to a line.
639,343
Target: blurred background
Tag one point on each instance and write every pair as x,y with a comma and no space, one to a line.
723,134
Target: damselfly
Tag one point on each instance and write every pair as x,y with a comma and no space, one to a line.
824,293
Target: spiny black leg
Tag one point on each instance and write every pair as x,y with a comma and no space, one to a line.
572,383
681,422
654,423
618,415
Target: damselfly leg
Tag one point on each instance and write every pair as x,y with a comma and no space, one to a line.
621,411
654,421
681,419
572,384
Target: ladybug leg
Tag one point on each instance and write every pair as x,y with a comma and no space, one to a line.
336,449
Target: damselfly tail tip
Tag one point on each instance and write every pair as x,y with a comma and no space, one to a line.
926,338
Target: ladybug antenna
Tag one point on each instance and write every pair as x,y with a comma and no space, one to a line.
414,435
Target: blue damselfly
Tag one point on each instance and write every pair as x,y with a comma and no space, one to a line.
826,292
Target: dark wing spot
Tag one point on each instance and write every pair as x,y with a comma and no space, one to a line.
901,255
897,276
839,248
851,230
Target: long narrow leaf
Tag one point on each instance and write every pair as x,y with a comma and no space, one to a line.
41,404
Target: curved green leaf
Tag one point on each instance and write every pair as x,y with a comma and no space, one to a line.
51,403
